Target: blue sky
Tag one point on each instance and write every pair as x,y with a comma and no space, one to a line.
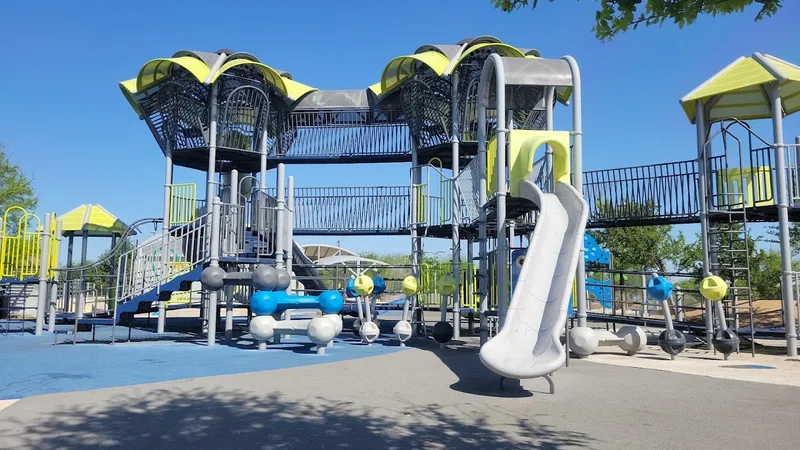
63,119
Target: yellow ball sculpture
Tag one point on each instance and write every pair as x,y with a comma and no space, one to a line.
446,285
713,288
410,285
364,285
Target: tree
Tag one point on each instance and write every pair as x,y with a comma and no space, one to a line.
794,237
615,16
16,189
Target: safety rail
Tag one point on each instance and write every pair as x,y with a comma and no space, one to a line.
793,168
20,244
162,258
183,204
248,228
434,195
641,194
353,134
352,210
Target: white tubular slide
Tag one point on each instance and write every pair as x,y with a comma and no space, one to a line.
529,344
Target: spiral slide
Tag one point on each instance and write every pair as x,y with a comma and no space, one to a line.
529,345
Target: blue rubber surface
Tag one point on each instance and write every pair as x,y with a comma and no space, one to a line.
31,365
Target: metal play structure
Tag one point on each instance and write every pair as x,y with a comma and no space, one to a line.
488,172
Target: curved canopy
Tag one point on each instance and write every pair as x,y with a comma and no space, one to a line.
404,67
199,65
738,90
503,49
93,219
161,68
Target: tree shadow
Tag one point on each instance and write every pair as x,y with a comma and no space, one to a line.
226,418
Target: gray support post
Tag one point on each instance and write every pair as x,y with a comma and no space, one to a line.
577,178
795,196
162,305
456,208
41,305
495,62
263,162
281,222
51,319
211,310
289,224
702,186
212,145
469,290
548,108
416,239
483,255
783,219
237,226
67,287
80,306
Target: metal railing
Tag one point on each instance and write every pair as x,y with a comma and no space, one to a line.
642,193
352,210
162,258
353,134
183,203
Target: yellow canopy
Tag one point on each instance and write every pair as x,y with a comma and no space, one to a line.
404,67
738,90
160,68
94,219
502,50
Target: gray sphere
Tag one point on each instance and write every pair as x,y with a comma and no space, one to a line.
262,328
213,278
583,341
725,341
402,330
321,330
672,341
369,332
284,280
633,338
265,278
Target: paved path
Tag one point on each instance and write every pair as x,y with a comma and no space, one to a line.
413,399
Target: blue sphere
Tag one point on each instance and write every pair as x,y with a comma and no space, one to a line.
659,288
330,302
380,285
350,290
264,303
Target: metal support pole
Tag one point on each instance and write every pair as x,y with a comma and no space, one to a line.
416,239
289,224
236,218
67,287
212,145
44,243
702,186
495,62
281,222
51,322
483,255
213,262
165,226
456,209
577,179
82,286
783,220
548,108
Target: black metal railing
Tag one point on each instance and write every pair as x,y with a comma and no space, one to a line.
352,210
351,135
642,194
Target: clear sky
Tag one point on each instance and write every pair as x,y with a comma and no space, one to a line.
63,118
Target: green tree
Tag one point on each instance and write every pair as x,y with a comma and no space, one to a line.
794,237
616,16
16,189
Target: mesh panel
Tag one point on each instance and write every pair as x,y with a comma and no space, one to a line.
426,105
243,113
176,111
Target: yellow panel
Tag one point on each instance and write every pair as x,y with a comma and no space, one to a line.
295,90
376,88
99,220
128,88
161,68
403,67
758,185
491,156
522,147
502,50
745,73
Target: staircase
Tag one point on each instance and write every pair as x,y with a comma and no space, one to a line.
158,267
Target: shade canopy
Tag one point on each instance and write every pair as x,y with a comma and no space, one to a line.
739,90
94,219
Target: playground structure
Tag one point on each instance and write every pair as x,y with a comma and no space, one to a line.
469,118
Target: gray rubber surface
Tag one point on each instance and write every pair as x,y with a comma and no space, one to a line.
417,399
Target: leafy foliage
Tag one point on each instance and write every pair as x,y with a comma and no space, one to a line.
615,16
16,189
